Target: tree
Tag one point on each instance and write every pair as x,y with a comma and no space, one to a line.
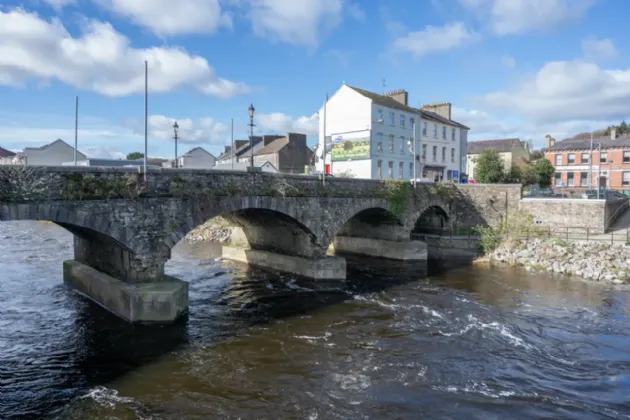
528,174
536,154
544,173
513,176
489,168
135,155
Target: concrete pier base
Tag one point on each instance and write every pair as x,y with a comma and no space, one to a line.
320,268
394,250
156,302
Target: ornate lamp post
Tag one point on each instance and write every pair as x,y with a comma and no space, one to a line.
176,137
251,111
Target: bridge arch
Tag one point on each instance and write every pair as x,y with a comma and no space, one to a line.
376,222
431,219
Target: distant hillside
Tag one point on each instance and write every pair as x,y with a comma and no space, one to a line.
622,129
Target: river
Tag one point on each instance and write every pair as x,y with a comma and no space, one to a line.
390,343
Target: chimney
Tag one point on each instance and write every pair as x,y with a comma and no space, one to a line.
240,143
297,139
268,138
399,95
443,109
550,141
613,133
228,149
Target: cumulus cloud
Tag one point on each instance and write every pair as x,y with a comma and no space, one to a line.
294,22
599,49
278,122
100,59
566,91
434,39
60,4
165,17
511,17
191,131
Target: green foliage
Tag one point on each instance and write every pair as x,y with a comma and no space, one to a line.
489,169
528,174
513,176
536,154
489,238
135,155
82,187
445,190
398,193
544,173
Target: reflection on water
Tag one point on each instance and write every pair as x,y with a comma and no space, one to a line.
390,342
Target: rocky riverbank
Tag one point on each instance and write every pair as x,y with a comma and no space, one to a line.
214,230
591,260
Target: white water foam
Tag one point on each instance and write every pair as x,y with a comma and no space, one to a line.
503,331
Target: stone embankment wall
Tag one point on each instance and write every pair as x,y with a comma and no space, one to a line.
594,215
590,260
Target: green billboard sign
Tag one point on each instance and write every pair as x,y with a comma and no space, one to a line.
351,146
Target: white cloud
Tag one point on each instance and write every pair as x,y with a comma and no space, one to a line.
480,121
509,17
294,22
280,123
599,49
356,12
101,60
60,4
191,131
165,17
566,91
434,39
101,152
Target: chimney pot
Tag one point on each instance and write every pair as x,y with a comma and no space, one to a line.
613,133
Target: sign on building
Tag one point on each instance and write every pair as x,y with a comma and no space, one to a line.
351,146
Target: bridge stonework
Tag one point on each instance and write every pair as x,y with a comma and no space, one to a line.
125,226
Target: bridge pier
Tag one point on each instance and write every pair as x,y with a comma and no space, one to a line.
380,248
133,288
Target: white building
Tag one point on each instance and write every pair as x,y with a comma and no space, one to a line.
370,135
53,154
197,158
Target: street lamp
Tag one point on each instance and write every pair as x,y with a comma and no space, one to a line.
176,137
251,111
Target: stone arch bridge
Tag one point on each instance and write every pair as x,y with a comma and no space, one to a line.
125,223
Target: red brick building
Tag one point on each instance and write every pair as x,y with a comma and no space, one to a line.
573,160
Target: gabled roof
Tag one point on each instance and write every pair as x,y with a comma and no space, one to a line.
49,145
197,148
500,145
390,102
585,143
6,153
274,147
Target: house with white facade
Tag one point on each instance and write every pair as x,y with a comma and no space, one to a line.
6,156
197,158
376,136
53,154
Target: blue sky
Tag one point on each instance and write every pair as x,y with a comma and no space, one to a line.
521,68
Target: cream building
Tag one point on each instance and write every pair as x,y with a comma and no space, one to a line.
512,151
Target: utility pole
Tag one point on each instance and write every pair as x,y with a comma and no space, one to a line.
251,110
599,168
233,149
176,137
413,139
76,129
590,170
324,151
146,117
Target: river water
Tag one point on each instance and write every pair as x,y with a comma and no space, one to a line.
390,343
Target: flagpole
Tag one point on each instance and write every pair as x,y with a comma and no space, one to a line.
324,154
146,124
233,150
76,129
590,169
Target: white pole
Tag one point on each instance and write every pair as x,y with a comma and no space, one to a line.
76,129
599,167
413,138
324,154
233,150
590,169
146,123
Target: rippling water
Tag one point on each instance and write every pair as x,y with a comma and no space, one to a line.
390,343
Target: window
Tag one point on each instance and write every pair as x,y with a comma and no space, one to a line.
411,175
424,151
583,179
402,145
558,159
401,170
435,131
557,180
391,118
570,179
443,154
444,132
390,170
625,180
449,175
453,134
402,121
379,169
424,128
584,157
453,155
626,156
379,145
391,142
602,157
379,116
434,153
571,158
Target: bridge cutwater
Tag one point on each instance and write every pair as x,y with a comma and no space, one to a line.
125,224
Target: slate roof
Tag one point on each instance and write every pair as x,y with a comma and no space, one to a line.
392,103
500,145
46,146
196,148
239,150
273,147
585,143
6,153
